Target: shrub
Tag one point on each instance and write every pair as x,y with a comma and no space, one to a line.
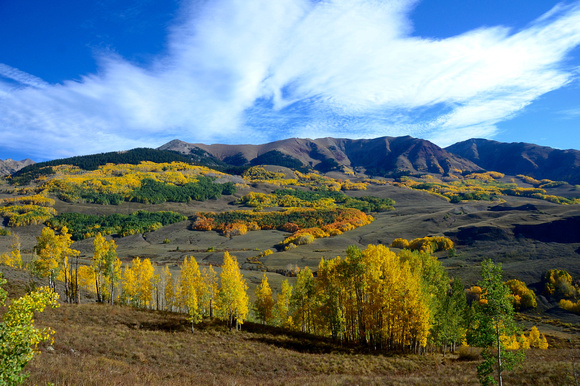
558,282
400,243
522,296
570,306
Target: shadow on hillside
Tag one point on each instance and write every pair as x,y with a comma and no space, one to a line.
303,342
304,345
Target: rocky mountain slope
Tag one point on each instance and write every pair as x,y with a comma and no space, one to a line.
521,158
376,156
395,155
10,166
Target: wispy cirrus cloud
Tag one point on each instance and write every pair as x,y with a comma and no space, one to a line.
258,70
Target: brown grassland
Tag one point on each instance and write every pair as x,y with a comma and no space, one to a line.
98,344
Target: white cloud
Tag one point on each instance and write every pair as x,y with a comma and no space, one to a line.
257,70
569,113
21,77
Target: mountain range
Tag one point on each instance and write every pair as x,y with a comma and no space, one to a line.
384,156
394,155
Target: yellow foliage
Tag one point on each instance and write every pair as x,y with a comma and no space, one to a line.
523,297
570,306
510,342
122,178
282,305
265,253
232,295
258,173
37,199
528,180
86,278
136,284
347,185
12,259
300,239
23,215
264,303
559,282
537,340
235,229
431,244
400,243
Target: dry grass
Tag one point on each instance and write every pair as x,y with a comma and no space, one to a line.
112,345
98,344
104,345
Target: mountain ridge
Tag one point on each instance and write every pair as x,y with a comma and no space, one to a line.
401,155
521,158
9,166
383,156
378,155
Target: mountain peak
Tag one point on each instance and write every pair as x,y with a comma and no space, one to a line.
10,166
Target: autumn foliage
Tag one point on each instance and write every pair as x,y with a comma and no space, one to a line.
522,296
424,244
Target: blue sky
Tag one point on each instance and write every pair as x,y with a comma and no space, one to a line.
81,77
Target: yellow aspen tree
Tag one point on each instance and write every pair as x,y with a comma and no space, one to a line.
144,276
283,305
303,300
157,290
386,288
5,260
543,342
328,291
232,295
208,301
106,266
379,292
69,268
14,259
54,255
112,279
136,285
524,342
86,279
11,259
415,310
188,290
47,263
128,285
534,337
264,303
169,290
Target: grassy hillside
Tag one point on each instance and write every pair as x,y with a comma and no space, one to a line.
109,345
